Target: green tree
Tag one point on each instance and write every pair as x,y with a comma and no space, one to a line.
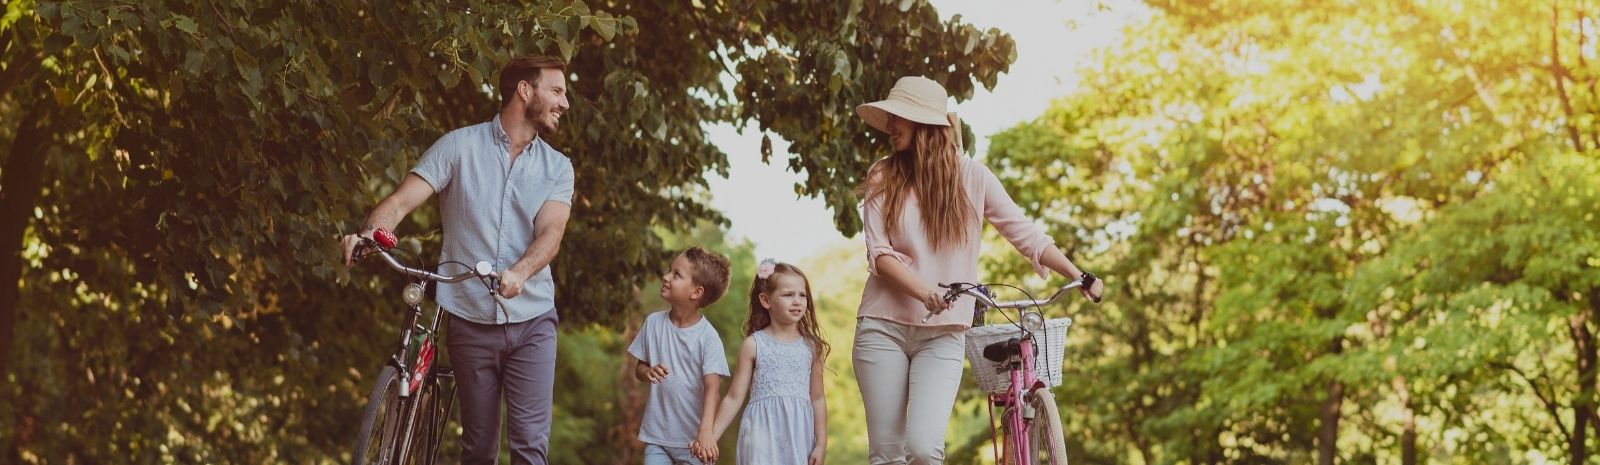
1305,212
176,173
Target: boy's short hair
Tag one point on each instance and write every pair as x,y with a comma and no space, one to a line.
710,272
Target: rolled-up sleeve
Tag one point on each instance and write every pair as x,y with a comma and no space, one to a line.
878,243
1002,212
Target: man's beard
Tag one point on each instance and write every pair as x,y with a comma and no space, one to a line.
536,114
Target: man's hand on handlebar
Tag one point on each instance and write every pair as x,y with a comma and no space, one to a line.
511,283
350,242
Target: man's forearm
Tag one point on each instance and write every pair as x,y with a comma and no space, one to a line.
539,254
382,217
387,215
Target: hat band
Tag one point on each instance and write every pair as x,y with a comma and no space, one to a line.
906,97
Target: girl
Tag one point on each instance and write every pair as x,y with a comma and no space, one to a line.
923,211
780,366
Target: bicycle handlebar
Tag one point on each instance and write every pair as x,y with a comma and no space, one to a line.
482,270
979,292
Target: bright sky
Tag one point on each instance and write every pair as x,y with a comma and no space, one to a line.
1053,39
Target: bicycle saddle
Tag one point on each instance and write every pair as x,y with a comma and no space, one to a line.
1000,351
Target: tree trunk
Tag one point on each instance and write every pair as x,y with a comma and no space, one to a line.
1584,344
19,192
1328,437
1408,432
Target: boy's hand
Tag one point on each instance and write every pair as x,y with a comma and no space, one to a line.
818,454
656,374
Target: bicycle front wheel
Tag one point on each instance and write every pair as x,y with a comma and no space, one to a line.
427,429
381,421
1045,438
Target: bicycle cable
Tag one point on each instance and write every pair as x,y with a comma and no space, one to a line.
1044,326
489,283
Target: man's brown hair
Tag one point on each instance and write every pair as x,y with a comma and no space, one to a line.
710,272
525,68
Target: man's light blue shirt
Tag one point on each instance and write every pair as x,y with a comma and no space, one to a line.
488,205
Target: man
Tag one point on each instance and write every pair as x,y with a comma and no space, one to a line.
504,197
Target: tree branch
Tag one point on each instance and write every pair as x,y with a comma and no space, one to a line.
1560,74
22,65
1583,64
1549,404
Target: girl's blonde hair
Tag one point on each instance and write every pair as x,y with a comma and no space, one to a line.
932,170
759,318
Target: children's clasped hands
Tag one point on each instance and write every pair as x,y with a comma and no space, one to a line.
705,448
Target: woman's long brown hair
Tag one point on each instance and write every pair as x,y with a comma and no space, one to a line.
932,170
759,318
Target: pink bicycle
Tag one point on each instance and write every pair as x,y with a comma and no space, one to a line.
1005,362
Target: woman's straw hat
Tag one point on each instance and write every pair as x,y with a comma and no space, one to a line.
914,98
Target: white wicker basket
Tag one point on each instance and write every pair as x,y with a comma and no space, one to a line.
993,377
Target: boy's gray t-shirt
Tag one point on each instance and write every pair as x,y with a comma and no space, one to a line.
672,414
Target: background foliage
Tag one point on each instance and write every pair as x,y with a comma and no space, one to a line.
176,174
1337,231
1334,231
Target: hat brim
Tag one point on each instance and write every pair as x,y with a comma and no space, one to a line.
876,114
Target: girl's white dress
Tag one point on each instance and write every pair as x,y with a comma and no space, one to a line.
778,425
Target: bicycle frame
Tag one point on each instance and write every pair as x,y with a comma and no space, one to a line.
415,370
1024,380
1013,400
425,353
414,376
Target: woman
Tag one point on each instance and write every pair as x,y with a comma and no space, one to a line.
923,210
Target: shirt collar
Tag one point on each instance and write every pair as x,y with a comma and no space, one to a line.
499,131
500,136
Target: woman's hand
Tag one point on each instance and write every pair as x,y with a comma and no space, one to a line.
933,300
1094,291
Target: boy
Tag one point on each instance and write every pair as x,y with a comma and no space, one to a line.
680,354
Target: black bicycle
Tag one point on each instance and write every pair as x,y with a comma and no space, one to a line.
405,415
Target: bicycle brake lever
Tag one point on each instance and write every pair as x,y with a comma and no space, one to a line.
362,250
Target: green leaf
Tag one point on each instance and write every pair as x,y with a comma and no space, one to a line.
183,23
449,77
56,43
606,27
567,47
